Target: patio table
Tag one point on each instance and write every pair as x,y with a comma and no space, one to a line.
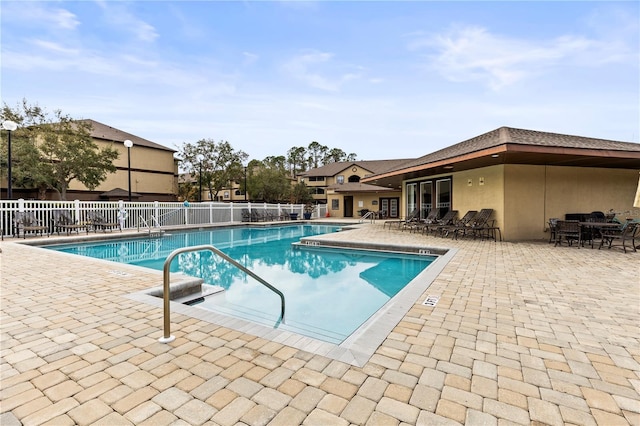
591,226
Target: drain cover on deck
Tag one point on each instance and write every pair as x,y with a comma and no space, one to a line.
431,300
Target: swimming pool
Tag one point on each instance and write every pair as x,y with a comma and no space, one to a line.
329,292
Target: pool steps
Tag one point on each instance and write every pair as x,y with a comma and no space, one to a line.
188,291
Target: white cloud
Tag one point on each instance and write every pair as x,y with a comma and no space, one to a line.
54,47
315,68
475,54
120,17
249,58
303,68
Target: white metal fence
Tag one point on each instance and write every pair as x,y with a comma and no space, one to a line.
134,215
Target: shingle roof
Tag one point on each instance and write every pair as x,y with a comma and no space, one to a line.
360,187
374,166
108,133
509,135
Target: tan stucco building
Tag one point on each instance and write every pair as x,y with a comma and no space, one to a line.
338,185
525,176
154,171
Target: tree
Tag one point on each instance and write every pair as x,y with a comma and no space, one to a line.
335,155
52,151
217,165
300,194
296,159
317,153
268,180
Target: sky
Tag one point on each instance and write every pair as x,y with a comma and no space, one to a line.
380,79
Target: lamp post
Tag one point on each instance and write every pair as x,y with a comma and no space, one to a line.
200,181
9,126
245,183
129,144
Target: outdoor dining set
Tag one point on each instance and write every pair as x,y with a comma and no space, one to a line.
595,228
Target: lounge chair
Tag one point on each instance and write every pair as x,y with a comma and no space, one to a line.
445,221
623,237
457,225
432,217
98,221
62,221
412,217
27,222
481,226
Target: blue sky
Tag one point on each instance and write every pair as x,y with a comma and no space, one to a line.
379,79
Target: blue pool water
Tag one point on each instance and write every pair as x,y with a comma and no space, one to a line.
329,292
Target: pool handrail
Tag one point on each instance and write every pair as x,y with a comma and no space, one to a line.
167,337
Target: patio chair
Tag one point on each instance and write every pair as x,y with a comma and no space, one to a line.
437,227
98,221
553,226
412,217
62,221
482,226
623,237
458,224
432,217
569,231
592,233
257,216
270,216
27,222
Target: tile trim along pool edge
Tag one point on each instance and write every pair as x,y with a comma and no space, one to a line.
356,350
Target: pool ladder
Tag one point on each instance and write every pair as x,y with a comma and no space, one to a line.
371,215
167,337
154,232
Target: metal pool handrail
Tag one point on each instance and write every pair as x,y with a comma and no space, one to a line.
167,337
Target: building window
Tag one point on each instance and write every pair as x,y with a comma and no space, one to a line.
412,197
316,179
354,178
426,202
443,194
340,179
335,204
427,199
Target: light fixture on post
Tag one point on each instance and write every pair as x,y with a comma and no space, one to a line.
129,144
9,126
245,183
200,181
200,158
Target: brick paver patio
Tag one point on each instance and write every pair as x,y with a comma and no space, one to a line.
523,333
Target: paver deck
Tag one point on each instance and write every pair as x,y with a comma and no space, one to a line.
523,333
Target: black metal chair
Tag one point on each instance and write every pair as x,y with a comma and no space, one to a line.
569,231
553,226
624,236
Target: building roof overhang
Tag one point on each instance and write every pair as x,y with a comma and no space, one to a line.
512,153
